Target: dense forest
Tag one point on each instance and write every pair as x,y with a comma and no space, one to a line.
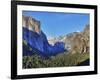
60,60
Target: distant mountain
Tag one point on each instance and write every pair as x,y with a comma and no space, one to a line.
35,39
76,41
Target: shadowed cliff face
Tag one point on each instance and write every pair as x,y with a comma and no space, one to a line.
35,39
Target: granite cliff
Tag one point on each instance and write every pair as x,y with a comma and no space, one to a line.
34,39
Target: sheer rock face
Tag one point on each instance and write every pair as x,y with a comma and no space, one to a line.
37,40
78,41
31,23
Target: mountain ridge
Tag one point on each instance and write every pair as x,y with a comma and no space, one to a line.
36,38
80,40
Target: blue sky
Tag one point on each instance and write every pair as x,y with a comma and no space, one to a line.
56,24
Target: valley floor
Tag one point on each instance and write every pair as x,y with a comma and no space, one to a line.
60,60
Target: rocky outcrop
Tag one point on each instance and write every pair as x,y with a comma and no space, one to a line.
37,40
78,42
31,23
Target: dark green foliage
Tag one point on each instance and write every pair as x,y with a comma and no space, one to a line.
60,60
